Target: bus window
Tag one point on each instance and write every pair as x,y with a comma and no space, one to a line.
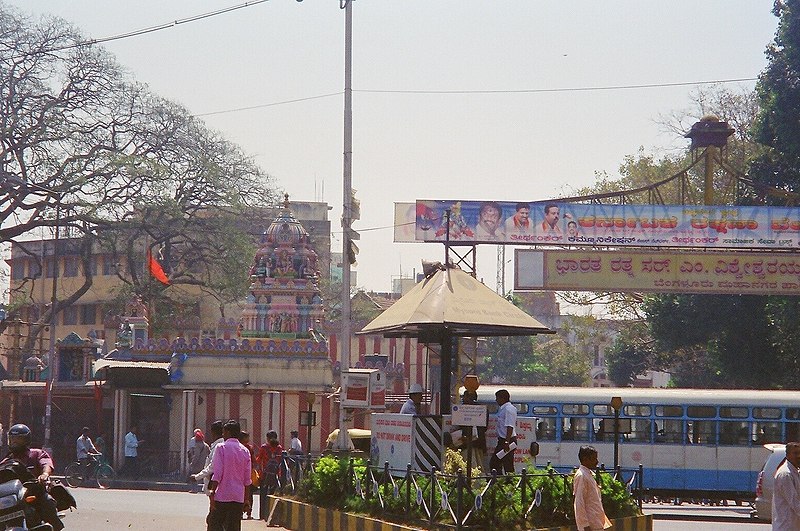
640,430
792,431
635,410
766,432
575,429
734,433
733,412
702,412
522,409
575,409
602,410
544,410
702,431
792,424
766,413
603,428
669,411
546,430
669,431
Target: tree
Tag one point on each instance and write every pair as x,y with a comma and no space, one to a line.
114,167
779,95
541,360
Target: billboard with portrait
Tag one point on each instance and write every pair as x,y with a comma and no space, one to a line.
560,223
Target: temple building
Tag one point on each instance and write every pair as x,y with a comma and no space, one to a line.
273,364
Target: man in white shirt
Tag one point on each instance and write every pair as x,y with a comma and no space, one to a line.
506,434
786,494
132,443
414,402
205,474
589,512
84,447
295,446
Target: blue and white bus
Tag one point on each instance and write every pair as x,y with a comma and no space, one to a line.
691,442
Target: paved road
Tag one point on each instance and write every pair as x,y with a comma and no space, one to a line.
706,518
141,510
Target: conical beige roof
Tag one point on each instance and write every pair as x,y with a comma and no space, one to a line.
454,301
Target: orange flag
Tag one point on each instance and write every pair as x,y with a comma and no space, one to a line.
156,270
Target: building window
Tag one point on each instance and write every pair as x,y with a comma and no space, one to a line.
89,314
108,266
71,267
18,270
93,265
50,268
70,315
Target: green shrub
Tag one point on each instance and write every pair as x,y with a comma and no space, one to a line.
332,483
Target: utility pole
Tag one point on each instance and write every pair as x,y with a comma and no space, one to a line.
347,214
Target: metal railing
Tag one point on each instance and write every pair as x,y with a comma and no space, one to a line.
435,499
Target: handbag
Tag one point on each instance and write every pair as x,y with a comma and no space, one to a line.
254,477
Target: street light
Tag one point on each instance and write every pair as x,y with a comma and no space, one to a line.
51,352
616,403
347,214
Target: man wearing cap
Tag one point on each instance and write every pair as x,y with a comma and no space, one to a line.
414,402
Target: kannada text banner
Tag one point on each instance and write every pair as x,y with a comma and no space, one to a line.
676,272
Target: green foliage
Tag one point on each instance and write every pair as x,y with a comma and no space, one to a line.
326,485
543,360
616,500
779,94
716,340
505,502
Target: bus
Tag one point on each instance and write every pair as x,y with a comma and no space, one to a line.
692,443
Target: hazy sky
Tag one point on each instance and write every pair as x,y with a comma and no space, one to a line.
509,145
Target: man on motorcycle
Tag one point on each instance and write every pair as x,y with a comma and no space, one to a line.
41,464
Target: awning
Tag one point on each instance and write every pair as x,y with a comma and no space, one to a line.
454,301
121,373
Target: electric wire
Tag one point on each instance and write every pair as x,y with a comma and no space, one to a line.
152,29
491,91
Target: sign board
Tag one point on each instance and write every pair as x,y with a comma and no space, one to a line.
468,415
583,224
364,389
663,272
391,439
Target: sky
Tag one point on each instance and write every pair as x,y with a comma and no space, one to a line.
422,128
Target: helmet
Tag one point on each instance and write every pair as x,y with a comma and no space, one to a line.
19,437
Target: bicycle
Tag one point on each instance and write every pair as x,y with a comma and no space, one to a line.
102,473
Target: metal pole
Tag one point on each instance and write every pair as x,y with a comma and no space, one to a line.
446,367
51,353
708,181
616,439
347,197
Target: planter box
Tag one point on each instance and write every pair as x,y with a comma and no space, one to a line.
300,516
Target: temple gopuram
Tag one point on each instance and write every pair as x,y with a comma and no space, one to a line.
264,370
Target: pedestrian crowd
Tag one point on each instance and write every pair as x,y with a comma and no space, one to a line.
233,470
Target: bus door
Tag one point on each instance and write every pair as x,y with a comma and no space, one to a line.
669,449
702,462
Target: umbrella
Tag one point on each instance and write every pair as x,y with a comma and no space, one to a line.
451,303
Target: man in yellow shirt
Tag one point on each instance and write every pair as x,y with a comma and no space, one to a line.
589,513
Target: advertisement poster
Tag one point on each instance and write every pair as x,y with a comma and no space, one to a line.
676,271
559,223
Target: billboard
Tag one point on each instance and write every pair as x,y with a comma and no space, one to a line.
559,223
677,271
